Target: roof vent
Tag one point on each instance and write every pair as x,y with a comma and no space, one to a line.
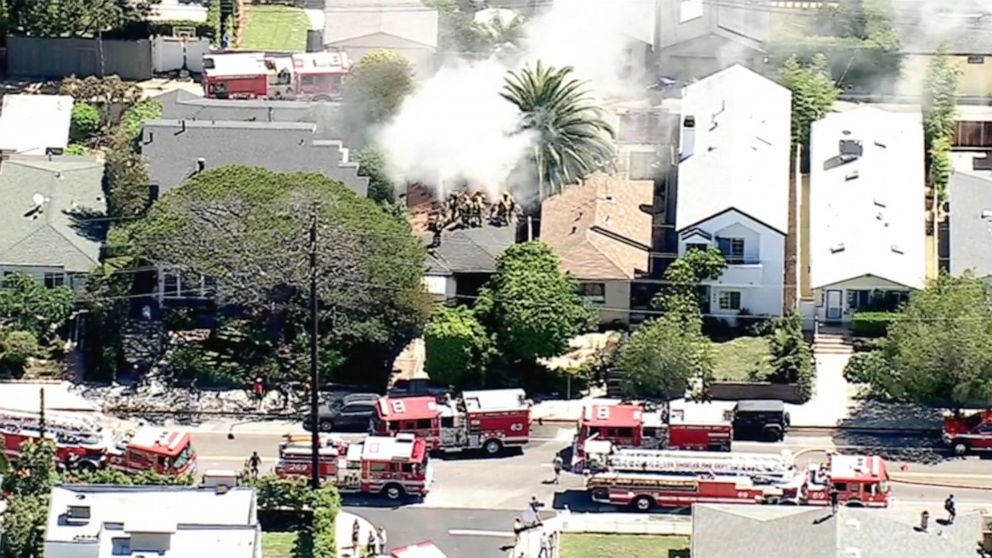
879,203
897,249
880,144
987,214
839,247
851,175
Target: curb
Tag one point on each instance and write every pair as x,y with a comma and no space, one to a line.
944,484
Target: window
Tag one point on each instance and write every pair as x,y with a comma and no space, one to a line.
377,467
642,166
696,246
730,300
54,279
170,284
121,546
732,249
447,422
625,432
308,80
593,292
840,486
858,299
424,424
406,468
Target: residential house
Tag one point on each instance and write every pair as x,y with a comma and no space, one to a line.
962,28
970,232
695,38
35,124
50,220
601,230
359,26
459,262
733,531
178,149
102,521
867,210
733,187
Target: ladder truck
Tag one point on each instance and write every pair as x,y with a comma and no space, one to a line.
646,478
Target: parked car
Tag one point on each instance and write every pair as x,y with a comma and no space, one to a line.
760,420
360,397
416,388
355,415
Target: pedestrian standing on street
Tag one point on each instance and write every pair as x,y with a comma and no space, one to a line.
355,531
950,509
370,544
557,464
834,498
258,389
383,549
518,527
254,462
545,551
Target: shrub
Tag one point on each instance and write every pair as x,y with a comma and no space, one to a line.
74,149
872,324
327,504
85,122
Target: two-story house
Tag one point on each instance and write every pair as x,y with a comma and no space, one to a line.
733,186
867,211
695,38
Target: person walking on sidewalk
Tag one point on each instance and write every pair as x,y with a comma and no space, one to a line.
371,543
356,530
558,463
545,551
254,462
834,498
950,509
381,535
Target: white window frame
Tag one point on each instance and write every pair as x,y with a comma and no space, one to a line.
597,299
58,279
729,300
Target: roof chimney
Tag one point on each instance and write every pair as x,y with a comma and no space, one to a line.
688,136
201,164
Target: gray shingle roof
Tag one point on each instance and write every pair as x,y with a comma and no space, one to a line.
328,117
971,224
173,147
468,250
733,531
54,237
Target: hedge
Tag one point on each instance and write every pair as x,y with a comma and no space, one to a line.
872,324
145,29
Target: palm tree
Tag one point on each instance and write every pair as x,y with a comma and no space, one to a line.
573,140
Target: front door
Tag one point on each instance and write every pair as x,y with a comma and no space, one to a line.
834,302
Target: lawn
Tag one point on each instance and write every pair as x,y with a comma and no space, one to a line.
276,28
278,545
588,545
732,359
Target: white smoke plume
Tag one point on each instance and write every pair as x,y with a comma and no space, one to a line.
455,128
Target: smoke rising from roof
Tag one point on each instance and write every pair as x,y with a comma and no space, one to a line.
456,128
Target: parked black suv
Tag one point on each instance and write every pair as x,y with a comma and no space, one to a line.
354,413
760,420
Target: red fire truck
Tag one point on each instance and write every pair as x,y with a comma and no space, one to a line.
395,467
84,444
686,426
489,420
968,432
312,76
646,478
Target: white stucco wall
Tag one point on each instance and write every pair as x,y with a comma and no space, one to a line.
616,305
760,280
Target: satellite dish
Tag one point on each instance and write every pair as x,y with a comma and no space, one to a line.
38,199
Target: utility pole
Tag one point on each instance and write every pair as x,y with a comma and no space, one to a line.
314,429
41,414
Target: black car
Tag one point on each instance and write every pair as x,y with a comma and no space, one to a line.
352,415
760,420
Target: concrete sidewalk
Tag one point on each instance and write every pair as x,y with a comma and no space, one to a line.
344,523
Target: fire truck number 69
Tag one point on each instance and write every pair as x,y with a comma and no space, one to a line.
516,427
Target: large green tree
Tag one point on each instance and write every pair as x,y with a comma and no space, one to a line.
663,356
27,490
27,305
680,295
458,348
792,356
76,18
937,347
572,140
377,85
248,228
940,89
813,94
372,163
531,306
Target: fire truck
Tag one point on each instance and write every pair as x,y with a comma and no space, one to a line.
489,420
968,432
686,426
395,467
645,478
311,76
82,443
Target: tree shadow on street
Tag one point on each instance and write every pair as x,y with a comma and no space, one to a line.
895,431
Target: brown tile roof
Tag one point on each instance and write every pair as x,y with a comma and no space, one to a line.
598,228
